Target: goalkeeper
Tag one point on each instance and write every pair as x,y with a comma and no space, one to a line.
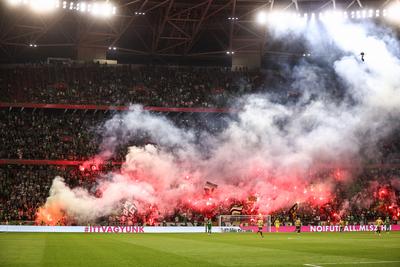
209,226
387,224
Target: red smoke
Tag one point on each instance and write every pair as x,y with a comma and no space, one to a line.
50,215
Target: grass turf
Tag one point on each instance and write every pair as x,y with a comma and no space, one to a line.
230,249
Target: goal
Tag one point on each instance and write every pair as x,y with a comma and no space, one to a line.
243,220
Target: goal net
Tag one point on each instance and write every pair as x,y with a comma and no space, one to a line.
244,220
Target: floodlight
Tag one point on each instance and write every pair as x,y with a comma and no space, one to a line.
14,2
43,5
364,14
370,13
83,7
393,12
103,9
262,17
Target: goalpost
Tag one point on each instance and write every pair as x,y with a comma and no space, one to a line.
243,220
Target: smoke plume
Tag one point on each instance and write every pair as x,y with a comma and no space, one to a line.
270,149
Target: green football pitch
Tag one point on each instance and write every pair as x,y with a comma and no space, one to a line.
230,249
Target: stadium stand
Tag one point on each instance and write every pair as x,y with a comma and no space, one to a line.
25,188
58,138
124,85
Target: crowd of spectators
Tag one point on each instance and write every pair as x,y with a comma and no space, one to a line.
59,135
48,135
24,188
124,85
373,192
75,135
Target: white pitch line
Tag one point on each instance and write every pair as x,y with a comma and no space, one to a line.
353,262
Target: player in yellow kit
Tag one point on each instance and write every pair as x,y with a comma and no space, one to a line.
297,223
260,224
342,224
379,224
277,224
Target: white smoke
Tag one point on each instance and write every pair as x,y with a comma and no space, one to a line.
270,147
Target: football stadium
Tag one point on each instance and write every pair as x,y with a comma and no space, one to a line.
199,133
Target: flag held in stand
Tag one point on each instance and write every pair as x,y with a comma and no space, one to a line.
293,211
236,209
129,208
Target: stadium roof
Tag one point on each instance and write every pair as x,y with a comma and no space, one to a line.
150,27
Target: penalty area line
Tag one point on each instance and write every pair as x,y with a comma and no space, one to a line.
353,262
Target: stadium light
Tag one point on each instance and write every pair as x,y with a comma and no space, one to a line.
290,19
82,7
102,9
262,17
99,9
393,12
37,5
14,2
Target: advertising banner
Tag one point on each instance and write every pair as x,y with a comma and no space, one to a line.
183,229
327,228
